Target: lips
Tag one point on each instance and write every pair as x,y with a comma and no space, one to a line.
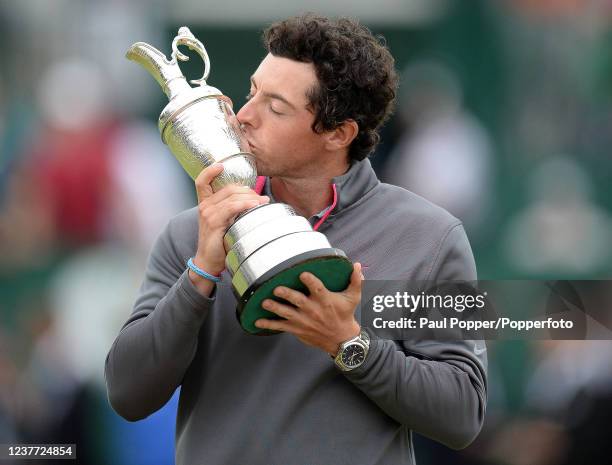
252,146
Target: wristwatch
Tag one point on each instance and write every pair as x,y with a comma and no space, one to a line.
353,352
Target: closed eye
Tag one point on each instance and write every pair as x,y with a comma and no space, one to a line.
249,96
274,111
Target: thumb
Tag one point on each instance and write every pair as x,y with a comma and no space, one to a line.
205,178
354,288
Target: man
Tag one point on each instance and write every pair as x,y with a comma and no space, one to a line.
314,108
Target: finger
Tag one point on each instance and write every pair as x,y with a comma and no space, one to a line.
315,285
282,310
233,208
274,325
205,178
222,215
231,190
292,296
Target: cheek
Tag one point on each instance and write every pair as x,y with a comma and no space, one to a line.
290,138
298,132
281,137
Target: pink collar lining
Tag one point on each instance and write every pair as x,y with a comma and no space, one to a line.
261,182
329,209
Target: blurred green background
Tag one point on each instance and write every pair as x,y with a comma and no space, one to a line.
504,117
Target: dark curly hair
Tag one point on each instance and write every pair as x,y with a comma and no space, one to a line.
356,73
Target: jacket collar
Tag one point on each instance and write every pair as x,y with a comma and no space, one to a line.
350,187
354,184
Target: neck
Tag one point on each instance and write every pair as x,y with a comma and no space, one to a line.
308,196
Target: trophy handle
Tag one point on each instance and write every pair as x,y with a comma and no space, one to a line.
185,37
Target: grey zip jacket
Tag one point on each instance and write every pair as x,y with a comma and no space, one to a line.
273,400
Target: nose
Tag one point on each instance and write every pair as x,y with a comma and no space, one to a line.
246,115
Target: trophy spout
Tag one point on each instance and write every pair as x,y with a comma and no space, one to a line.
166,72
198,124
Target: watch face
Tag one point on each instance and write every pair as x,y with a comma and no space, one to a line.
353,355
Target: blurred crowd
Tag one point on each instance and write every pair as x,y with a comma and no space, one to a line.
504,117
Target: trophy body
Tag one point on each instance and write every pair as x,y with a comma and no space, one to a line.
267,246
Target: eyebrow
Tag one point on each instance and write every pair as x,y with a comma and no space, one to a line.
275,96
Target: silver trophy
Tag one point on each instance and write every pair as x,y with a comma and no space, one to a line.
267,246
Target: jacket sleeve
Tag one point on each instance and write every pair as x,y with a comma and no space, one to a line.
153,350
435,388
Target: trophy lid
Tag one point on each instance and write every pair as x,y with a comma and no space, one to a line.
166,72
183,101
170,77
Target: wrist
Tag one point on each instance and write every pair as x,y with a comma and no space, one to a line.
209,266
353,353
353,331
202,285
201,278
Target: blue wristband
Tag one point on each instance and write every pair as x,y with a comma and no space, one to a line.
200,272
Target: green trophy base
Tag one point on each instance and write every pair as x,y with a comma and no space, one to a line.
329,265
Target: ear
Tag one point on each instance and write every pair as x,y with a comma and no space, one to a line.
341,137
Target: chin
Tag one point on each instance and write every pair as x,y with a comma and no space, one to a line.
261,169
264,168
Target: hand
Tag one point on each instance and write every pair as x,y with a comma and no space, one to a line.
217,211
323,319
